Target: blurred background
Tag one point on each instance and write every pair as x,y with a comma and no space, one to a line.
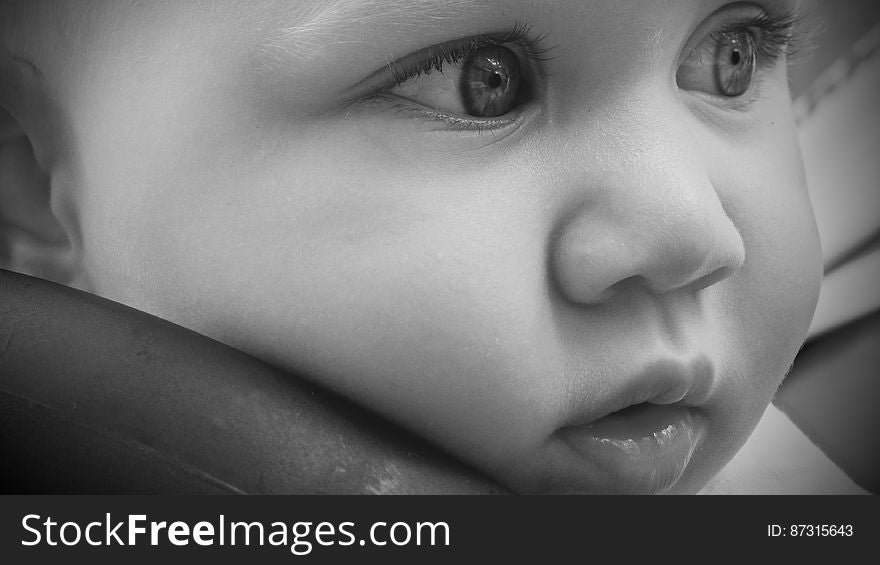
834,385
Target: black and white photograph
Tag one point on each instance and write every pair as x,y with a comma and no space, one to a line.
439,247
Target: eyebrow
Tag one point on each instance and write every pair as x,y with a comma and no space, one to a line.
333,21
312,26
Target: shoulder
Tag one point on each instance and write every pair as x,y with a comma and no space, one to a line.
779,459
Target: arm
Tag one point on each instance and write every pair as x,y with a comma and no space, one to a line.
98,397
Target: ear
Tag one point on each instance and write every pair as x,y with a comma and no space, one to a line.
32,240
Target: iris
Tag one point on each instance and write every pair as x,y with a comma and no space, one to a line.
490,81
735,61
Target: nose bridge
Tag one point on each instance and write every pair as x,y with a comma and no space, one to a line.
652,213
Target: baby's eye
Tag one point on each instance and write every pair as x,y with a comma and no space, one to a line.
727,61
485,83
470,82
730,70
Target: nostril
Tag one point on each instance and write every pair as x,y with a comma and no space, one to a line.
695,283
622,287
712,278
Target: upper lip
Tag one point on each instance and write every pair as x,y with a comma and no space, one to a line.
686,381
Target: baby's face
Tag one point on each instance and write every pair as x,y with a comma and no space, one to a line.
594,206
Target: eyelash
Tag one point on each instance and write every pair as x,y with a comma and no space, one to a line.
529,48
776,35
518,36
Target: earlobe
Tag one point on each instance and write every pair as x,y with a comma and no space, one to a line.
32,240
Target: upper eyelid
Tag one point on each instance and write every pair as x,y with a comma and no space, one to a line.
738,16
531,47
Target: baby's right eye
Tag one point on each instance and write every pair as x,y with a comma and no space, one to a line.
470,83
488,82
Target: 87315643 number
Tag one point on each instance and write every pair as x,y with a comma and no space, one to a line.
810,530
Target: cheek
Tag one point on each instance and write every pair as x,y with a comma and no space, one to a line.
771,300
413,297
422,313
762,312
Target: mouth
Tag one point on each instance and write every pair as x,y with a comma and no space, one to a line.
642,449
643,438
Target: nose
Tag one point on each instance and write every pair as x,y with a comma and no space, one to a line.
654,218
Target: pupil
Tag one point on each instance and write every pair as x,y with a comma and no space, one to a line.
495,80
735,57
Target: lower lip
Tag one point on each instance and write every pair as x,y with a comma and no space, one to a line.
643,449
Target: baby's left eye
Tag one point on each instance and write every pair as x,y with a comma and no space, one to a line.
487,82
730,70
727,62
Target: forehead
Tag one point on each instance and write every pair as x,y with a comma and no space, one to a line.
301,30
313,47
312,20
